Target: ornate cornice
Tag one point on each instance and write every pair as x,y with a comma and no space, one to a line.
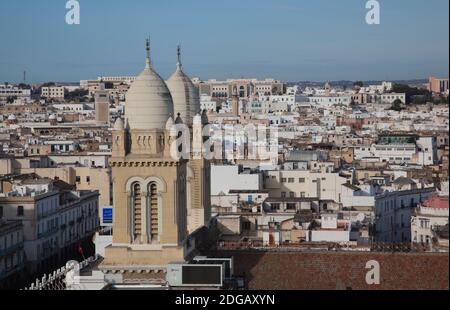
117,163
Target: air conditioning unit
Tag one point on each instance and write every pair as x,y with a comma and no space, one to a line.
195,275
226,262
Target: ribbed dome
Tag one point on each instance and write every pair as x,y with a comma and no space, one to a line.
148,101
185,95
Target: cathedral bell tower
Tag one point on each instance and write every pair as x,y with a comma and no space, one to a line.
149,186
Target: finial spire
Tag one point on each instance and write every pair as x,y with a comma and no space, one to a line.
148,61
179,55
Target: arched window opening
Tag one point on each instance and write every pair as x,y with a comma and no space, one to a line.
154,214
137,212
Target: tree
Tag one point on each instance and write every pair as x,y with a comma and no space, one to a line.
412,93
24,86
11,99
396,105
77,95
358,83
441,100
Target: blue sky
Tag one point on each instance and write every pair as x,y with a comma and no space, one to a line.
291,40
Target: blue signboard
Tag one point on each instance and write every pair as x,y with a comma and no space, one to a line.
107,215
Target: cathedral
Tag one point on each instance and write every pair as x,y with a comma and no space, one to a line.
158,200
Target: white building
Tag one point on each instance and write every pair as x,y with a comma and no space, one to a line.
330,230
53,220
80,108
394,211
11,91
122,79
423,152
62,146
390,98
428,218
206,103
327,101
226,178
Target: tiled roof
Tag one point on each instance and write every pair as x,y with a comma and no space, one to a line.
437,203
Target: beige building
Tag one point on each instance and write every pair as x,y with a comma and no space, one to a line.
53,92
102,102
84,178
245,88
304,184
158,200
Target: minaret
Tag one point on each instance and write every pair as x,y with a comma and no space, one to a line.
235,101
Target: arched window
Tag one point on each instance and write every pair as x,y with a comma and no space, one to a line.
137,211
153,212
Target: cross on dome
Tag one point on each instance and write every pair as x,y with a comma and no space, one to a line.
179,65
148,61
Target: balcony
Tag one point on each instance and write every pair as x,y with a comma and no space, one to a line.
9,271
11,250
49,232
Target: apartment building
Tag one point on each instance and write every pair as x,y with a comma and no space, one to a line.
12,255
327,101
10,91
393,149
304,184
55,219
429,219
438,86
394,210
53,92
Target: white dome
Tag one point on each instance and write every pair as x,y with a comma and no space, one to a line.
52,117
148,102
186,98
12,117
